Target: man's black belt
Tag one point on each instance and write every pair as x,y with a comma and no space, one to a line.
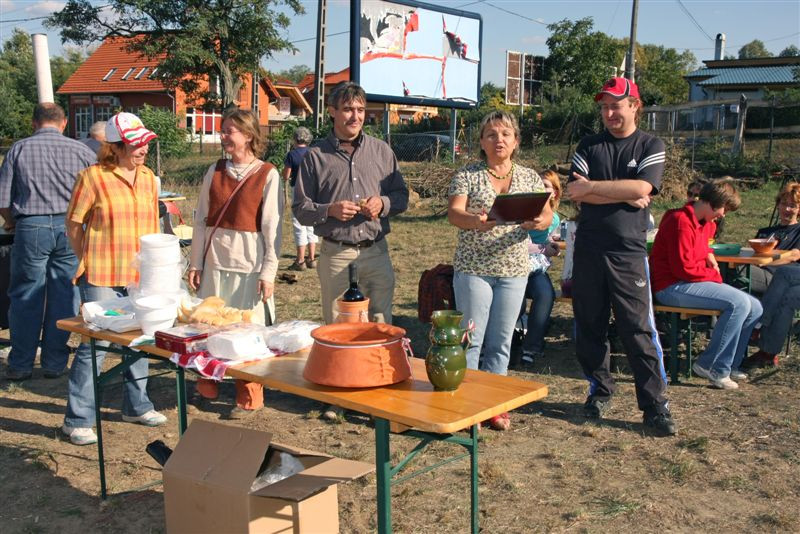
360,244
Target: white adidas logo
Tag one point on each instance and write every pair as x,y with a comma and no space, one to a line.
632,163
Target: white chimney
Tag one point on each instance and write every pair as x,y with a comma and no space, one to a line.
41,59
719,47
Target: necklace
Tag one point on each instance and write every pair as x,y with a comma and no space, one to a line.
509,174
241,174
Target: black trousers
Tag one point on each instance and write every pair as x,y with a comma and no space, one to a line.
602,282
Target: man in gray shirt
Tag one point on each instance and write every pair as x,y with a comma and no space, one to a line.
347,187
97,134
36,181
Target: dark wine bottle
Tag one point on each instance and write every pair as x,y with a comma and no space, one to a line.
353,294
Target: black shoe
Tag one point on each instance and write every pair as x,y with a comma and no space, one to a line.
17,376
52,374
661,423
595,408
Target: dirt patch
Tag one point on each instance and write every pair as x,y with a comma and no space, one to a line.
733,465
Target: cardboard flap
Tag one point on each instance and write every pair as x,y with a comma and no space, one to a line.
219,455
315,479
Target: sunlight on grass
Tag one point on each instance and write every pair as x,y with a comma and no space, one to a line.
698,444
614,506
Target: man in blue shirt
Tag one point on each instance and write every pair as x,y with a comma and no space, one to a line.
36,181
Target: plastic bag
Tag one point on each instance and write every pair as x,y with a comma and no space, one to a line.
287,466
290,336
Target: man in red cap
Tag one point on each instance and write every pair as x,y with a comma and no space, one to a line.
614,173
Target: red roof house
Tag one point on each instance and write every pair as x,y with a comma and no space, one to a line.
114,79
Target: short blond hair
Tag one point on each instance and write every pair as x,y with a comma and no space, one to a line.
247,123
506,119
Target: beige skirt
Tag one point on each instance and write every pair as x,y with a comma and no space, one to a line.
239,290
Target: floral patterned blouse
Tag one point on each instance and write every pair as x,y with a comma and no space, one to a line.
503,250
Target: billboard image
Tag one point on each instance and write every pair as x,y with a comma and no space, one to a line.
410,52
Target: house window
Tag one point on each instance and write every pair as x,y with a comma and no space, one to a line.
133,109
127,74
109,74
141,73
83,120
102,113
153,73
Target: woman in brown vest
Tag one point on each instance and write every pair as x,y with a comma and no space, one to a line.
237,236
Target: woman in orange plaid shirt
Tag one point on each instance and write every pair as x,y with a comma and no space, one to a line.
113,203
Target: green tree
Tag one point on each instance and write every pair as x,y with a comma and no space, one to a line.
293,74
754,49
659,74
790,51
579,57
194,39
171,139
18,94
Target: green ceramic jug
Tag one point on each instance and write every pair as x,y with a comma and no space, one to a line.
446,361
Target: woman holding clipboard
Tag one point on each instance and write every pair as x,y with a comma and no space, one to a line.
491,261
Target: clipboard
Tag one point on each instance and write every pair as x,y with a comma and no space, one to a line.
515,208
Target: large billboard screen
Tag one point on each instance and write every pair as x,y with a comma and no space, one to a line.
415,53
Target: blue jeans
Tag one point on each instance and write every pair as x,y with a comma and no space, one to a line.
40,292
80,401
780,301
540,291
493,304
740,313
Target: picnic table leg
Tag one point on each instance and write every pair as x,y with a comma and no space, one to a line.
180,383
97,401
689,336
473,463
673,349
383,468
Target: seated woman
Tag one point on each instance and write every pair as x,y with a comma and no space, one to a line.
685,273
540,288
780,302
787,232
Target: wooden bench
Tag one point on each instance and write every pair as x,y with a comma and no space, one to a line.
680,320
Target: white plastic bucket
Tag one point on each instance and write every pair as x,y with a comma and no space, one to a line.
151,241
160,278
160,256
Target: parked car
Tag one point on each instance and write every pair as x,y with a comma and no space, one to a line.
422,146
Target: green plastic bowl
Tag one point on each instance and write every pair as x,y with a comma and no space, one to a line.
726,249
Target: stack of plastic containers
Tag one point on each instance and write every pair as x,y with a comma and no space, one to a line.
159,293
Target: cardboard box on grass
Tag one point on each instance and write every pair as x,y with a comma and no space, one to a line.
207,483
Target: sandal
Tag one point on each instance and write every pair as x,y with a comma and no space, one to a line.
311,263
297,266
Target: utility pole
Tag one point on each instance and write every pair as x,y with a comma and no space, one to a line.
319,65
630,64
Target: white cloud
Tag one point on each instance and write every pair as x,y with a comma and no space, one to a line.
44,8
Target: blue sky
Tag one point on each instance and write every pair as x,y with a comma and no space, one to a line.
521,25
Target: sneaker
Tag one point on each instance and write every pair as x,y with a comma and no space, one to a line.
661,423
311,264
297,266
738,375
151,418
595,408
17,376
52,374
529,357
79,436
722,382
333,413
701,371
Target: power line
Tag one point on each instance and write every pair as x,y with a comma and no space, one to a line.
735,45
691,17
23,20
515,14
